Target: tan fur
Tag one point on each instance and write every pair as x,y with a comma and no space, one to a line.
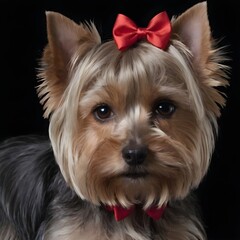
83,73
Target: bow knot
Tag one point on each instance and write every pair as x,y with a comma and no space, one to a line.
120,212
126,32
141,32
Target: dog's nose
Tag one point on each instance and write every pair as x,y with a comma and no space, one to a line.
134,154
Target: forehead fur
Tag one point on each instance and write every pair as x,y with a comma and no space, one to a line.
134,74
141,63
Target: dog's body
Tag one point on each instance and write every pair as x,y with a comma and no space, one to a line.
42,206
132,130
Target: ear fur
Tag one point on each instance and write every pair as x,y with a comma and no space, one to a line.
66,41
192,27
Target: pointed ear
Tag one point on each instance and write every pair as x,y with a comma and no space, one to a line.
192,27
67,41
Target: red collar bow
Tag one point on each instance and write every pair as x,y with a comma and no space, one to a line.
120,212
126,32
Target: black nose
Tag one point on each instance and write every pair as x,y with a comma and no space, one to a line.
134,154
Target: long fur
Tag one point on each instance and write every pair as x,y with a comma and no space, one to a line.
37,197
58,188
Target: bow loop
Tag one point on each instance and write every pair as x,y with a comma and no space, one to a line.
126,32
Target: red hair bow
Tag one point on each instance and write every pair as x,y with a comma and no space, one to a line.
126,32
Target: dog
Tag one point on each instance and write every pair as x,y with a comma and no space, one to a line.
132,128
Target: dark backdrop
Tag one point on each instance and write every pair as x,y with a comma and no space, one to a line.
23,36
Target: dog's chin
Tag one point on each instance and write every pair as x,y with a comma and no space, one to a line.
130,185
125,189
136,187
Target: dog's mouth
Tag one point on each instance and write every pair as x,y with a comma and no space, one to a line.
135,174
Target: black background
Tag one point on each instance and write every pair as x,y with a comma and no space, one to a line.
23,36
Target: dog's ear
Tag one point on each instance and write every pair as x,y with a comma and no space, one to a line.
67,42
192,27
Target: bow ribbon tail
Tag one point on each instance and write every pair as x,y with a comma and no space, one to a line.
120,212
155,212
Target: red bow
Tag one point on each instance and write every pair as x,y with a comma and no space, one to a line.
126,32
121,212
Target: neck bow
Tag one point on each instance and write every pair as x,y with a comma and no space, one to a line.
126,32
120,212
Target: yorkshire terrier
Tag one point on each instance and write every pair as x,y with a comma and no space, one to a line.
132,128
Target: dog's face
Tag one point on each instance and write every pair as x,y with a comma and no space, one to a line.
135,126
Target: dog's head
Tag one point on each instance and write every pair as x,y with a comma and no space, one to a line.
132,126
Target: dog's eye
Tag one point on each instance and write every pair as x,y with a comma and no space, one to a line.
103,112
164,109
